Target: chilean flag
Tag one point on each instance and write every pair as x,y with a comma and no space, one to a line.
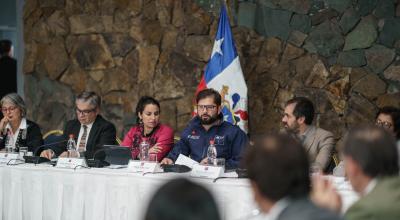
224,74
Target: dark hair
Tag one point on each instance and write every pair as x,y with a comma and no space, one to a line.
5,47
395,115
374,149
303,108
181,199
90,97
205,93
143,101
279,166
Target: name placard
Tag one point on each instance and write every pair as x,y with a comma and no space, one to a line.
7,157
71,163
204,171
138,166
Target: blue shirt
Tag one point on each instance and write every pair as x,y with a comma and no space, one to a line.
229,139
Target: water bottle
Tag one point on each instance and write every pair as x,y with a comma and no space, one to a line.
144,150
212,154
71,147
9,145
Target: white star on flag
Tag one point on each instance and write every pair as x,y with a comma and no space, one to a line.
217,47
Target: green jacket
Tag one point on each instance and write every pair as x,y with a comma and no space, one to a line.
382,203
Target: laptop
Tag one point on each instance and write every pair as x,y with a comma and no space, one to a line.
117,155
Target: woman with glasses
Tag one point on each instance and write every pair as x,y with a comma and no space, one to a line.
16,130
389,118
148,128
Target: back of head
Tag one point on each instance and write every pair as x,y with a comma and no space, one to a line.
5,47
373,149
279,166
304,108
181,199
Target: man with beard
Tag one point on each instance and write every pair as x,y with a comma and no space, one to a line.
319,143
209,125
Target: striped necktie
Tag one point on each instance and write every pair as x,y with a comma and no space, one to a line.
82,143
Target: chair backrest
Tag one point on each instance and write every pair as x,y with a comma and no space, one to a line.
52,136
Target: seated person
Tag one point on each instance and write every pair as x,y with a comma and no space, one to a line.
371,164
319,143
148,128
278,169
208,125
90,129
182,199
389,118
14,126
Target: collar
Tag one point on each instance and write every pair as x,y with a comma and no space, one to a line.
277,208
22,125
304,135
89,126
371,185
141,130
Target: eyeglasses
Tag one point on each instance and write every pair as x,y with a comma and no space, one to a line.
9,109
384,124
207,107
84,112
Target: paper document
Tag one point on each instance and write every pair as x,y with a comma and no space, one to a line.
184,160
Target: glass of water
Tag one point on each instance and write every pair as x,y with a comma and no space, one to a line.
23,151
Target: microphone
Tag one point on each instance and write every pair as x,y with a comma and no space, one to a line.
97,161
46,145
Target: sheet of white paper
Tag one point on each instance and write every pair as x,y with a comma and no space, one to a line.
184,160
230,175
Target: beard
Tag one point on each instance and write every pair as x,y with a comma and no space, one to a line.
294,128
208,120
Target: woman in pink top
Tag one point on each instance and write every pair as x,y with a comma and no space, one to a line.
148,128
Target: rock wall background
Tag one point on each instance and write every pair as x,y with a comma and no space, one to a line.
343,54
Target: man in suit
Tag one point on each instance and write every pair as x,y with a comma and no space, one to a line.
8,69
371,164
319,143
90,130
278,169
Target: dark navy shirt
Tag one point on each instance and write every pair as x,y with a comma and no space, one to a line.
230,142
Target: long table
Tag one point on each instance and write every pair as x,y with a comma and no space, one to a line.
29,192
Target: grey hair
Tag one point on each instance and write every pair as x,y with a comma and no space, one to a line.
90,97
15,99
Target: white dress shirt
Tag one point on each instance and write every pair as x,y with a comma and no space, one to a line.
22,125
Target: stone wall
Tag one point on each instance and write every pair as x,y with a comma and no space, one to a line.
344,57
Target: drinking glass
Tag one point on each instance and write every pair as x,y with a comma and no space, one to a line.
153,157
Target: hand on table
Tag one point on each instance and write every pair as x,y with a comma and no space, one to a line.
167,161
204,161
47,154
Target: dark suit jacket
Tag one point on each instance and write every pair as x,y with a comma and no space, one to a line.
32,139
101,133
8,73
304,209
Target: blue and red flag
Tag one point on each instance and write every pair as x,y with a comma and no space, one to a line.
224,74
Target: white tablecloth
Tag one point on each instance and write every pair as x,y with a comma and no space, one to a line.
31,192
